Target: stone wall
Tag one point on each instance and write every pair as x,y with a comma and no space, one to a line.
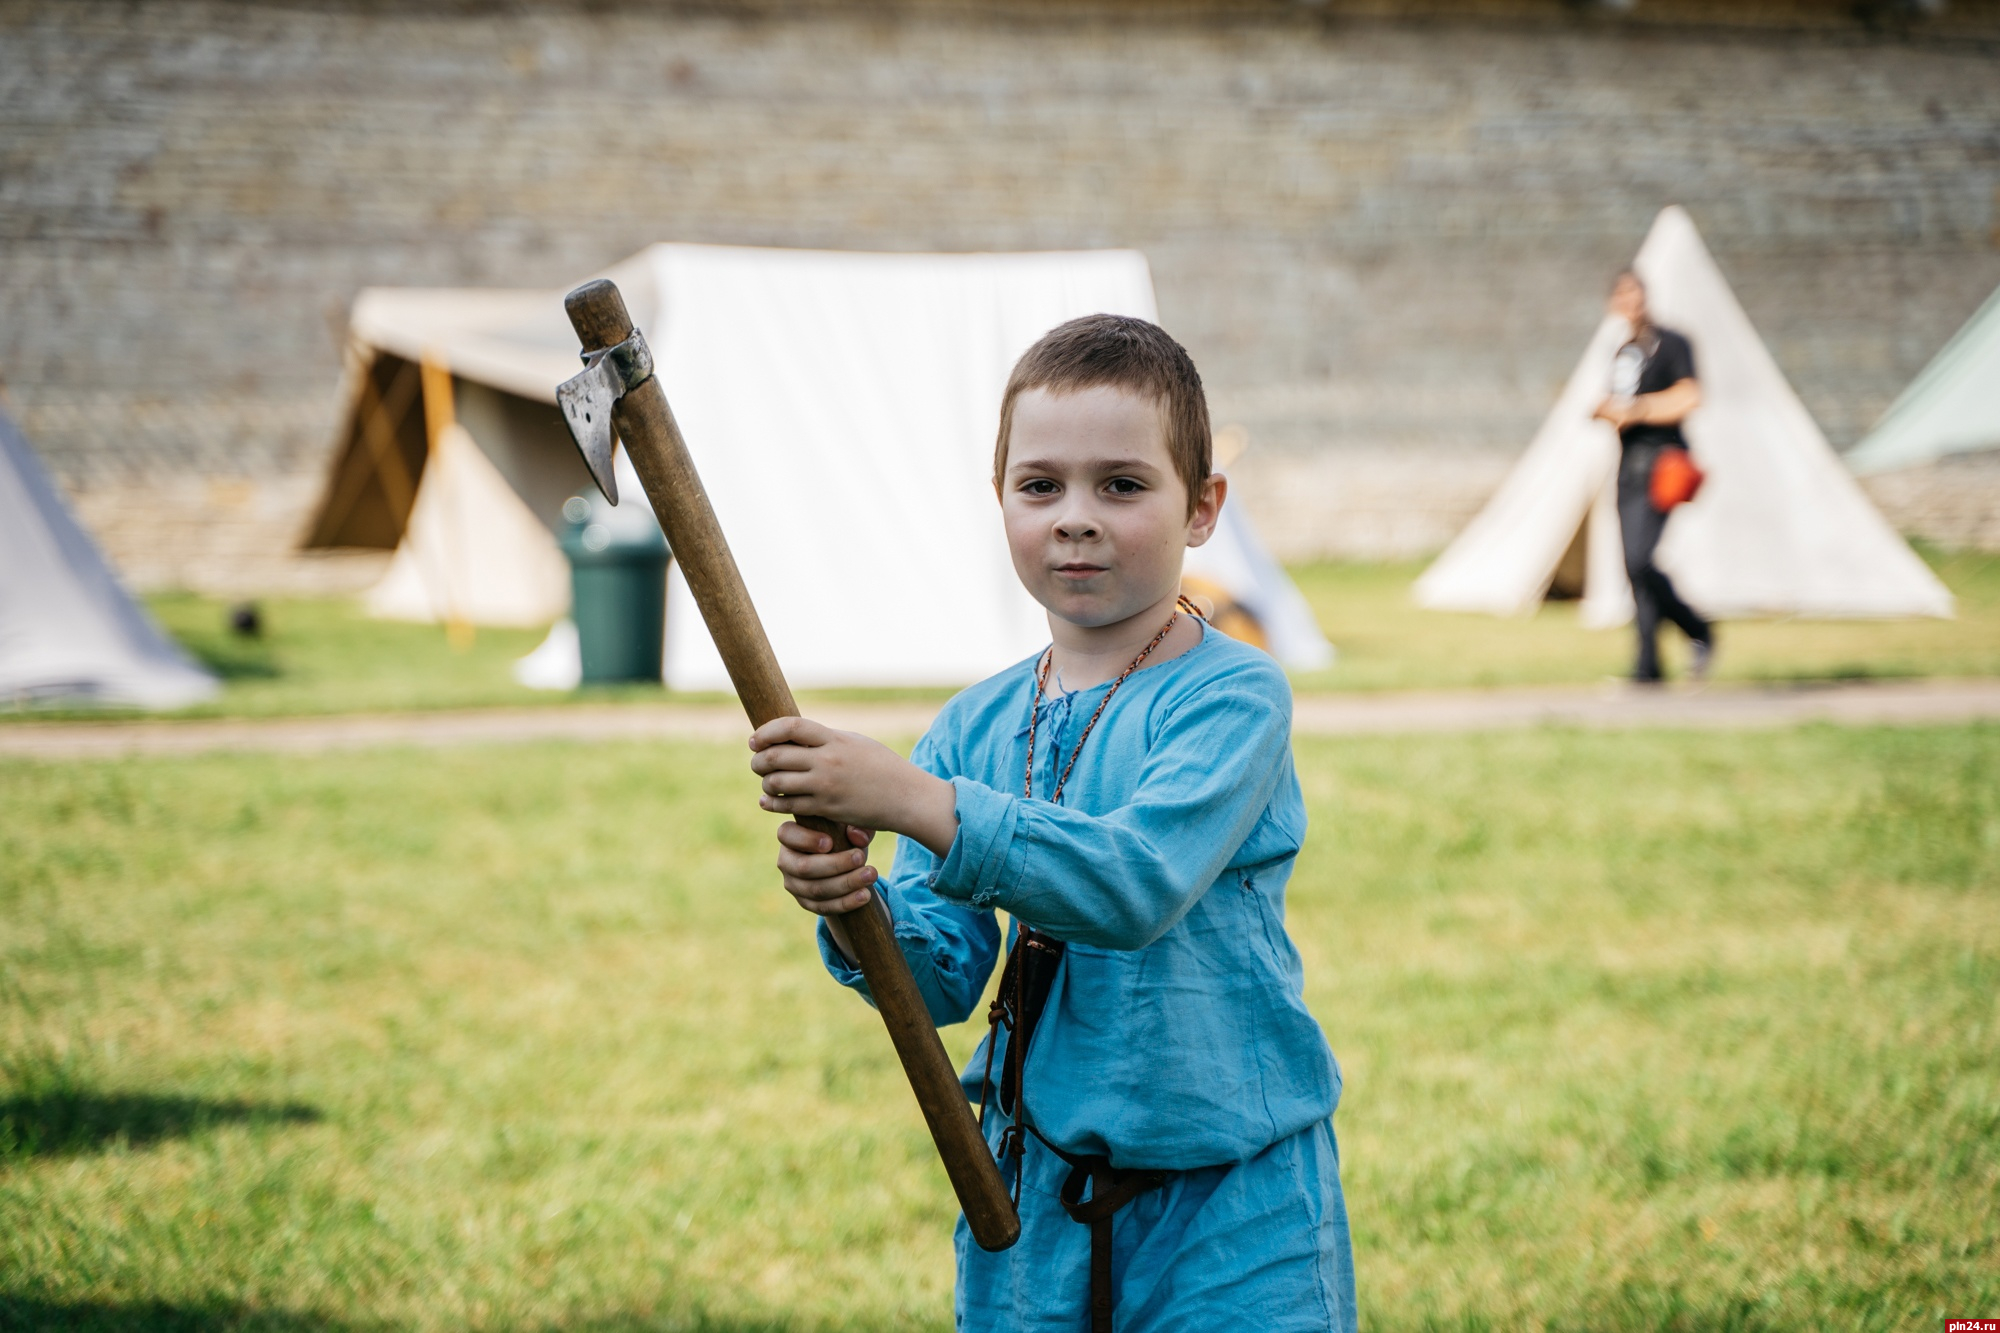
1383,234
1950,502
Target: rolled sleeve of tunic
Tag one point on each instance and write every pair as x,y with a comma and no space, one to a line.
1119,880
950,948
1176,1035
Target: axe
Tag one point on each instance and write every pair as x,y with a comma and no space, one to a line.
617,390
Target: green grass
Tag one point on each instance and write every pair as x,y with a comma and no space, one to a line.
327,656
1654,1030
1387,642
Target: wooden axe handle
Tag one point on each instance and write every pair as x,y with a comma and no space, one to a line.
660,457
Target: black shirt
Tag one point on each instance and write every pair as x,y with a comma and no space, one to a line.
1663,360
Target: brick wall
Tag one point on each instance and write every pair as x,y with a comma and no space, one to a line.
1383,236
1950,502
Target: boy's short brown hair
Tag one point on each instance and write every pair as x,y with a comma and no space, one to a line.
1126,353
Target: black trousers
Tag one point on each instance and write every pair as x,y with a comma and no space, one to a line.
1653,593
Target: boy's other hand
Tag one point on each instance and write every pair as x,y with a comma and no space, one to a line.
825,880
811,769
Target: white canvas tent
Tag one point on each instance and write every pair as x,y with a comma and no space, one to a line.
454,456
69,633
1236,559
1780,528
841,409
1951,407
472,553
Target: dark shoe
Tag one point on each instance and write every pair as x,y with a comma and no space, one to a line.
1703,660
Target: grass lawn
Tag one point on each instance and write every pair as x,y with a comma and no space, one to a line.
1640,1031
327,656
1386,642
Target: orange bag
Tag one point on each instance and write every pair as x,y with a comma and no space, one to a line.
1675,479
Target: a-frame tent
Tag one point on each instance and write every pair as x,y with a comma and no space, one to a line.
472,552
1779,529
452,454
1951,407
841,409
69,632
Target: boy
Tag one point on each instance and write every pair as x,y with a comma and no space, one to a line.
1127,797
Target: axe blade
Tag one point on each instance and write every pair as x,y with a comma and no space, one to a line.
586,401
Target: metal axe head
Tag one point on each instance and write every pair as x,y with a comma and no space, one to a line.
587,401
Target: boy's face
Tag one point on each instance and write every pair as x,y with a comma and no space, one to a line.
1096,515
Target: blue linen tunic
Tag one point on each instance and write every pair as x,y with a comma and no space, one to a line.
1176,1035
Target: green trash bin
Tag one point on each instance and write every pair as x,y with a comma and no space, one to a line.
618,584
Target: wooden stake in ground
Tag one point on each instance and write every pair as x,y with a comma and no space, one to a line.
618,389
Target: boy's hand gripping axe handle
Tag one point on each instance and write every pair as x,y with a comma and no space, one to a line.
617,388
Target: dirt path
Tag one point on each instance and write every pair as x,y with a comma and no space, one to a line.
1617,705
302,735
1609,706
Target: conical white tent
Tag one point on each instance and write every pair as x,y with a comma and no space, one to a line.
68,631
841,408
1235,558
1780,528
1951,407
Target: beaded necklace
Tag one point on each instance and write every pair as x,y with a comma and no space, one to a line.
1041,686
1015,1008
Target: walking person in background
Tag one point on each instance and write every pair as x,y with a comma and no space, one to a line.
1653,390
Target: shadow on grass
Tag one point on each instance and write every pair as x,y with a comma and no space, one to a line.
237,665
1846,673
65,1122
158,1317
26,1312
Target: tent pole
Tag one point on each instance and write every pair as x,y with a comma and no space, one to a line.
439,417
376,423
